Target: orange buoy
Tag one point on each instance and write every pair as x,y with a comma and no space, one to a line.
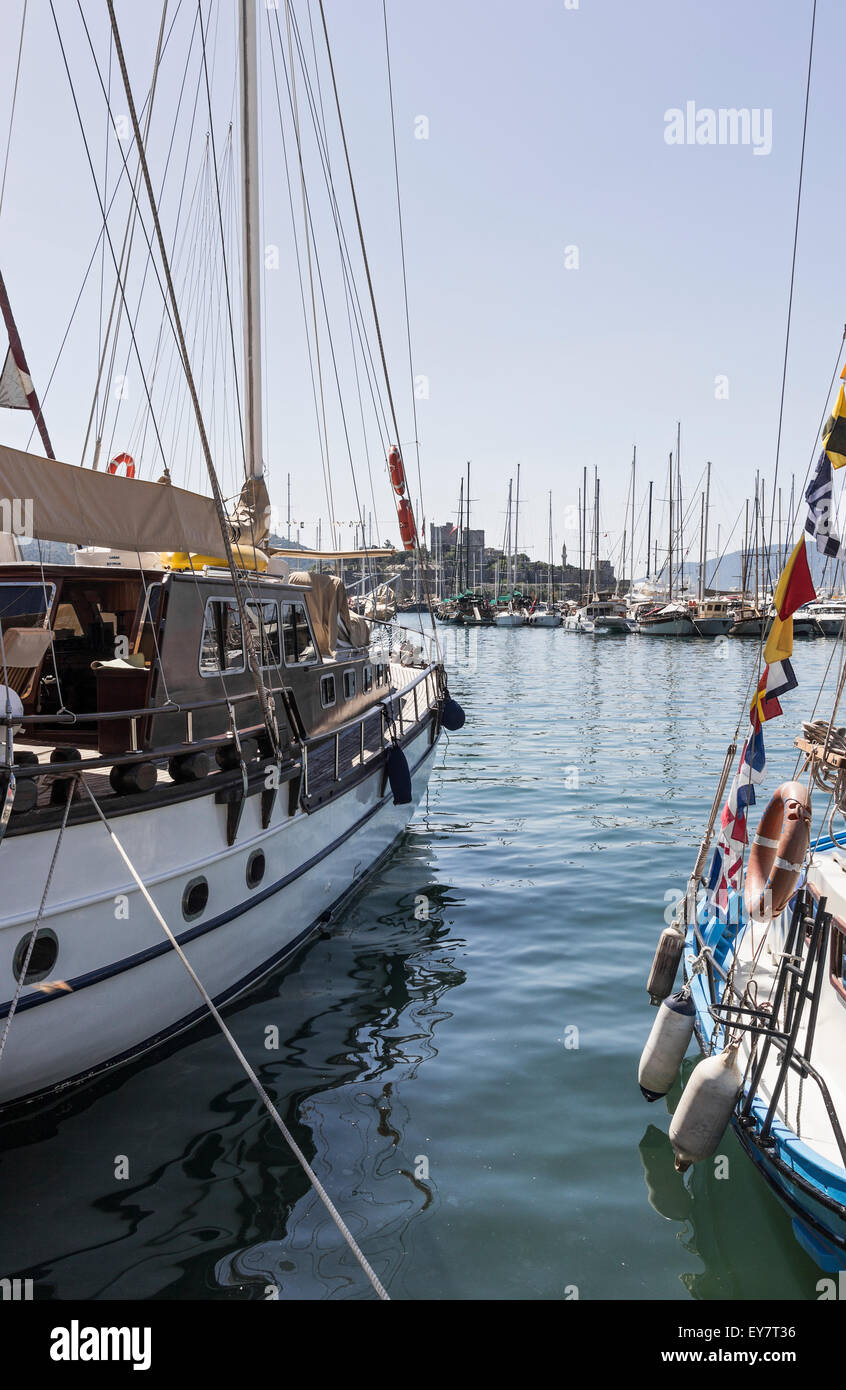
408,530
776,863
396,470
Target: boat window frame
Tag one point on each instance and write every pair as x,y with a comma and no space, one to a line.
33,584
349,679
324,680
221,670
317,659
256,605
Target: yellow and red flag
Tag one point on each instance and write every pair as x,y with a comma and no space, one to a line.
795,588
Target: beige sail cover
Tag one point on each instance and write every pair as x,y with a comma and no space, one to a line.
329,611
76,504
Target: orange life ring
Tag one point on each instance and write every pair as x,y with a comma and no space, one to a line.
775,864
126,459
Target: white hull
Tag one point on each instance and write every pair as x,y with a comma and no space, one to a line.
129,989
510,620
579,625
545,620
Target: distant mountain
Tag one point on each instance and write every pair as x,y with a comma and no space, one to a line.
728,575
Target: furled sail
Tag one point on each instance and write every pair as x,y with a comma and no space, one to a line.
251,517
66,503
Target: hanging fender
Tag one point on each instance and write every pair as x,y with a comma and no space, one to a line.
399,775
775,864
396,470
452,715
126,459
408,531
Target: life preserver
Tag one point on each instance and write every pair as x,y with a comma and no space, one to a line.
118,460
775,864
407,528
396,470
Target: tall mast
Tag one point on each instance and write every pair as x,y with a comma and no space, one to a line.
584,533
632,532
467,531
680,516
707,509
509,585
549,578
670,538
251,253
516,522
649,531
581,550
596,531
701,549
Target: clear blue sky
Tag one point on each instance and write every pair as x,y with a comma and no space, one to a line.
546,130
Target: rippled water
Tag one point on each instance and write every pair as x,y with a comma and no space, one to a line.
465,1085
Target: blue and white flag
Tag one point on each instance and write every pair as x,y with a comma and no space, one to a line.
820,522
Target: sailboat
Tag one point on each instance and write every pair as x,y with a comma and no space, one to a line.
510,611
204,752
761,937
546,614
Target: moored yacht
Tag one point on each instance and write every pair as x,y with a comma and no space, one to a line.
673,620
829,615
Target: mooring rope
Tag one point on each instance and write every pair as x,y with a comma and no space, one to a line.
375,1282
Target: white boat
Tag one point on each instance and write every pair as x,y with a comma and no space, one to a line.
829,615
544,616
600,616
210,734
510,617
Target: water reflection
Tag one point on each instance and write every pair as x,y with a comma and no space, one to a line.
213,1203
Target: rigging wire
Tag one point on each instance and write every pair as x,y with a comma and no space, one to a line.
793,256
14,104
402,256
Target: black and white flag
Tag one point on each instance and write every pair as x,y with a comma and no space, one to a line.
820,522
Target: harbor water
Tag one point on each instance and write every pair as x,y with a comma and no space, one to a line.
457,1055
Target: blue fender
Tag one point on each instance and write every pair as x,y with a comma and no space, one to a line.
399,775
452,715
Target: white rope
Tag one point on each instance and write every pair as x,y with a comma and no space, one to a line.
262,1093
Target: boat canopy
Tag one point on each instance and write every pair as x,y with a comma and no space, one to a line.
328,609
77,504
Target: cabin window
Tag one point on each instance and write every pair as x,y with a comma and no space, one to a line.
349,685
327,691
264,620
367,678
222,647
296,635
25,605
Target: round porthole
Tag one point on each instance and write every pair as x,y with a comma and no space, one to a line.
195,899
255,868
43,957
